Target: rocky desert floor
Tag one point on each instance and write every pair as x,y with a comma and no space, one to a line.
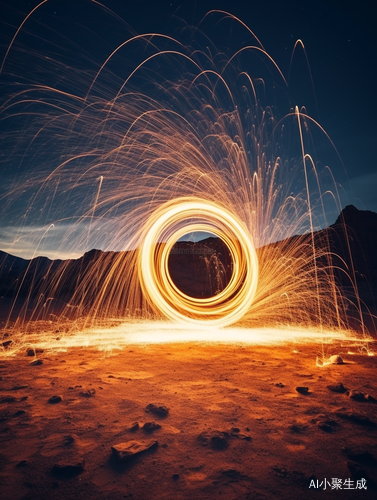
214,420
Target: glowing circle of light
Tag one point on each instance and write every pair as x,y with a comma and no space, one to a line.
166,225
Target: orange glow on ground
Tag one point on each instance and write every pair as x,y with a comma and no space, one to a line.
164,332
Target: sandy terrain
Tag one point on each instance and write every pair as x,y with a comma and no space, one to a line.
271,441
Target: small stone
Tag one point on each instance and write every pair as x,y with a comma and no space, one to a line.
243,436
279,384
324,427
127,450
216,439
19,413
324,423
8,399
336,360
22,463
298,428
302,390
33,352
157,409
233,475
7,344
66,469
234,430
54,400
337,388
134,427
88,394
175,477
69,439
151,426
370,398
280,471
357,418
36,362
359,455
356,395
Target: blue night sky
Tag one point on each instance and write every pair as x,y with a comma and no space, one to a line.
340,43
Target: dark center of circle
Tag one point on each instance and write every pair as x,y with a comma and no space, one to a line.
200,268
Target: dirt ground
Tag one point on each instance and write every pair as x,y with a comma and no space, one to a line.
236,428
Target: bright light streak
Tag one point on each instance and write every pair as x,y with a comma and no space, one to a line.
169,223
166,332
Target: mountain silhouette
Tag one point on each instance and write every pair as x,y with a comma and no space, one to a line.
199,269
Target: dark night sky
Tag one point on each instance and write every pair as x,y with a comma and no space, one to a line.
340,41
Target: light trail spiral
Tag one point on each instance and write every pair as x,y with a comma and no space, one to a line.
169,223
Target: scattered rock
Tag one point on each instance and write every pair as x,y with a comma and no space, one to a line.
280,471
7,344
67,469
359,455
54,400
175,477
8,399
370,398
357,418
87,394
19,413
134,427
241,435
151,426
302,390
298,428
69,439
324,423
157,409
359,396
235,432
216,439
22,463
33,352
19,387
36,362
279,384
324,427
356,395
233,475
337,388
336,360
127,450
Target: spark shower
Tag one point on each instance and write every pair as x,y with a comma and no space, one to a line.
128,150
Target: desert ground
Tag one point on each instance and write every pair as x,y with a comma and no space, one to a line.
223,421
